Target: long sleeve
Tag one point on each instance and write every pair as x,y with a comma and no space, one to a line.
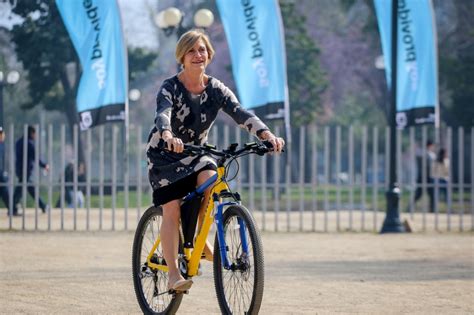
164,103
32,155
244,118
2,161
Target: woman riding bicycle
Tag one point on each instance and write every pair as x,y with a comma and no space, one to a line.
186,107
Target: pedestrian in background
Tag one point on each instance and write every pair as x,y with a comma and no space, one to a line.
441,172
69,195
30,161
425,176
3,175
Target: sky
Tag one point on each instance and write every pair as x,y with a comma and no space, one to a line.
137,19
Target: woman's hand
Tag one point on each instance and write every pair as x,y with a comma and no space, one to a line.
172,143
277,142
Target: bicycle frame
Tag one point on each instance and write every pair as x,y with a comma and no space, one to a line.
193,256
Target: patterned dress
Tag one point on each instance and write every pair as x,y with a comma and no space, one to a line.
190,120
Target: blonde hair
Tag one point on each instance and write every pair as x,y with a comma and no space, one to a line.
187,41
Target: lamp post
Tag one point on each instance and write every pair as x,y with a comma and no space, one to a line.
170,20
392,222
134,95
12,77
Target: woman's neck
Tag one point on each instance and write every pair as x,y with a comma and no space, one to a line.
194,82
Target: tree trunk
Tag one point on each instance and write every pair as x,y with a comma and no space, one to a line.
73,119
70,89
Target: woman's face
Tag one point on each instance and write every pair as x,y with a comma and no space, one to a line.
197,57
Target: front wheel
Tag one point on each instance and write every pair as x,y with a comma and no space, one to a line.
151,283
239,286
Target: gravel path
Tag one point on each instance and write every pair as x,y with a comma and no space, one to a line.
306,273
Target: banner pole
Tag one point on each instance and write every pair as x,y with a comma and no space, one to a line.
127,125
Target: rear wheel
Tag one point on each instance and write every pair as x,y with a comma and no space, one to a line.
239,287
151,283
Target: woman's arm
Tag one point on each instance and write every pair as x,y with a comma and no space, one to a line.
247,120
164,104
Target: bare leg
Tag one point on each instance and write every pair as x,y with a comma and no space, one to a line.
202,177
170,238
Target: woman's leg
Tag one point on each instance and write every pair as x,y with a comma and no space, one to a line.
170,239
202,178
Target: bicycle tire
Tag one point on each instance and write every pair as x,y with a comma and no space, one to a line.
233,286
151,304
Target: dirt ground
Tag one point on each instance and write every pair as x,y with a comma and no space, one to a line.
305,273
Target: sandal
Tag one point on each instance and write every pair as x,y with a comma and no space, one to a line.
181,285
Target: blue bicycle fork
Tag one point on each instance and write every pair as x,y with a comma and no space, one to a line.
221,237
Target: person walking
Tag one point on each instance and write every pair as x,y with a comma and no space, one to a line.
440,172
30,161
69,195
427,175
3,175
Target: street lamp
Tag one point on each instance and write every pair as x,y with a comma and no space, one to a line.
10,78
134,95
392,223
171,19
379,63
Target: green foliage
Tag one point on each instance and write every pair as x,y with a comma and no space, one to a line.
347,4
456,57
306,79
458,75
43,45
456,65
357,112
139,60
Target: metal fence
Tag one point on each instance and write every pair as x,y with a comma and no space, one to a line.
331,178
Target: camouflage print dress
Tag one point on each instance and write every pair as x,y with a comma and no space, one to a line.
190,118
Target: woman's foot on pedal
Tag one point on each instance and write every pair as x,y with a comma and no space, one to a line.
181,285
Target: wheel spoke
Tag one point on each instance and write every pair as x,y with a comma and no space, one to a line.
152,283
238,283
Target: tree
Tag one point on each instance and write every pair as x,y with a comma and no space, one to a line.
455,26
306,79
52,66
53,69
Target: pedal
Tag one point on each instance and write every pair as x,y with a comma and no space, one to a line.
174,292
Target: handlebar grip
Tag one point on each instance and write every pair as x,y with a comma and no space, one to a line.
162,144
269,145
188,148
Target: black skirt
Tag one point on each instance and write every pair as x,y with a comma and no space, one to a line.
178,189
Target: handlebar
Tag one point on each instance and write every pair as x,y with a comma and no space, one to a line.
259,148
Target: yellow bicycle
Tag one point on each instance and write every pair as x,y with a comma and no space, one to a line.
238,253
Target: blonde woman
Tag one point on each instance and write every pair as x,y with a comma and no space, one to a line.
186,107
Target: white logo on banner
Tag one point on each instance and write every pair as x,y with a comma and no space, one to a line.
86,120
402,120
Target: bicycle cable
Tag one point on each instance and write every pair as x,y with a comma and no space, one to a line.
234,159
